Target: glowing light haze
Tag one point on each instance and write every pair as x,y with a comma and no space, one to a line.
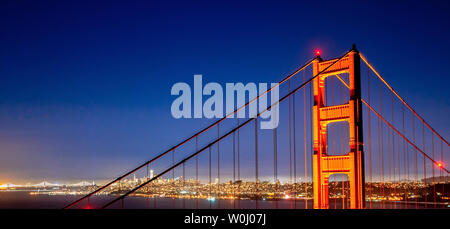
85,87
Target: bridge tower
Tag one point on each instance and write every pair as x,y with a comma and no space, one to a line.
352,163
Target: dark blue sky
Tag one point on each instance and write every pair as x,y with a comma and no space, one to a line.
89,82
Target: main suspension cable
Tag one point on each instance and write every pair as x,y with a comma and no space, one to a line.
401,99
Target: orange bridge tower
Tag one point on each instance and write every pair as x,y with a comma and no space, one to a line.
351,163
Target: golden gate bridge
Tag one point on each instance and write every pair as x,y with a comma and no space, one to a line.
348,140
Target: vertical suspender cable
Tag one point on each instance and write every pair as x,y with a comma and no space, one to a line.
234,168
398,191
239,164
210,184
218,166
295,152
432,170
290,143
275,157
304,141
415,162
184,184
404,157
238,152
369,140
393,152
196,173
442,161
290,136
173,177
408,164
382,147
424,165
234,156
389,183
256,162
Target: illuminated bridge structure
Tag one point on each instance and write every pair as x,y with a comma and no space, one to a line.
345,139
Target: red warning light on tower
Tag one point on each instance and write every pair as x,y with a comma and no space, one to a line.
317,52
